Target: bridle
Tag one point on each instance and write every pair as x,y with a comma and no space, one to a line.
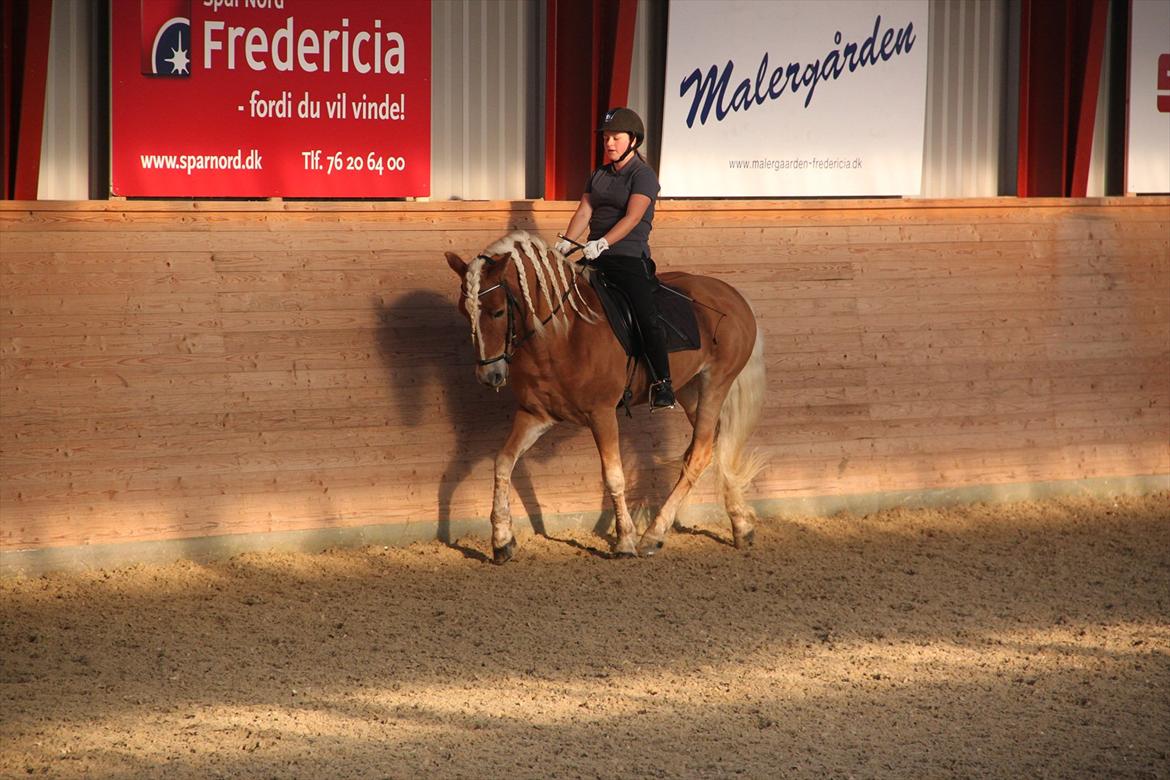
512,342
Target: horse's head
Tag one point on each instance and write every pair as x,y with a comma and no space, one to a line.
510,292
487,301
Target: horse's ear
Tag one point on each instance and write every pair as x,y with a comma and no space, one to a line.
456,263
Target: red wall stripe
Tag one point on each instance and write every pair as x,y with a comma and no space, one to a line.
1061,53
585,77
32,99
1090,88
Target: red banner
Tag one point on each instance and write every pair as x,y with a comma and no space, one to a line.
271,98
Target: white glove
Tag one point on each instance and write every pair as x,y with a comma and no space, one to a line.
563,246
595,248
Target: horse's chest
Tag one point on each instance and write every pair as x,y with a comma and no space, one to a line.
551,402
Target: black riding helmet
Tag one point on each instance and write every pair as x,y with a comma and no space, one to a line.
624,120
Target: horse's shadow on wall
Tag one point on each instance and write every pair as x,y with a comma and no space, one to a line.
425,346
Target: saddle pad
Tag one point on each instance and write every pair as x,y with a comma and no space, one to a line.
674,307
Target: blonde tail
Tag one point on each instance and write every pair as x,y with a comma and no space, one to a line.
738,418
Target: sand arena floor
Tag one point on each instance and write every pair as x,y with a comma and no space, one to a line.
991,641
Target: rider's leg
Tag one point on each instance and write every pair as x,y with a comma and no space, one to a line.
635,277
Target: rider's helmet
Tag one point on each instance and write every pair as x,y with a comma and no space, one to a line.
624,120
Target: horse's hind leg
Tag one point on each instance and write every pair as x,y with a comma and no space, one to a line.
742,528
605,433
526,429
688,399
741,514
695,462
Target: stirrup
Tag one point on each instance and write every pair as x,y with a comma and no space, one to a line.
661,395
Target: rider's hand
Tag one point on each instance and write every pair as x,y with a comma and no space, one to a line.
595,248
563,247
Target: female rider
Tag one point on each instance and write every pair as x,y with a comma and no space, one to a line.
618,209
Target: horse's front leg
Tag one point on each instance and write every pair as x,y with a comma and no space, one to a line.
605,433
526,429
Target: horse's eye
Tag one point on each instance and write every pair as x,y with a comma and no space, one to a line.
498,314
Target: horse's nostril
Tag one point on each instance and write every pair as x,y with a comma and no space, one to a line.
493,378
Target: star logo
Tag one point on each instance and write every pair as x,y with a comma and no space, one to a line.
178,59
170,52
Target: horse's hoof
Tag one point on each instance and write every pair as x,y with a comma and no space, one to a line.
648,547
745,541
505,553
625,549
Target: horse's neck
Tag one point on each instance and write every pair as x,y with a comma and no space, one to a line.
565,303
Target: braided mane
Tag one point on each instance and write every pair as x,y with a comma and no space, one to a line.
553,276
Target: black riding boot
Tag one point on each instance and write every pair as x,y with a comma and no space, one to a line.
662,395
661,391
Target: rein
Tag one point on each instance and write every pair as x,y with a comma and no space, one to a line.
511,342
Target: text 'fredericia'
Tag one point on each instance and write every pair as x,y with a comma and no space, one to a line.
288,49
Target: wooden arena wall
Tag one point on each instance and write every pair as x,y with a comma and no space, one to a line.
174,371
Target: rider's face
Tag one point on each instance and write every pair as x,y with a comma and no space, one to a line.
615,145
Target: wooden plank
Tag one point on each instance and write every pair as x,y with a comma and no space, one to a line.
130,303
336,399
390,347
975,301
888,429
1032,465
928,374
113,344
127,261
854,205
471,235
441,303
364,395
933,471
922,256
294,290
1136,333
248,216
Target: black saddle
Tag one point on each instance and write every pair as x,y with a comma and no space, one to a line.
675,309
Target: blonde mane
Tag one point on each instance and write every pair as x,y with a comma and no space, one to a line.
555,279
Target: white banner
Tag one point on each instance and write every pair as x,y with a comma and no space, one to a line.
794,98
1148,155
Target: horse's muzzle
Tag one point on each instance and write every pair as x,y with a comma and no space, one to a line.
495,375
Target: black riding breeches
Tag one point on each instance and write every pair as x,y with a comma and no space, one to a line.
635,277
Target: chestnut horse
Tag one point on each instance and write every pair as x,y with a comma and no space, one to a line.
536,323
